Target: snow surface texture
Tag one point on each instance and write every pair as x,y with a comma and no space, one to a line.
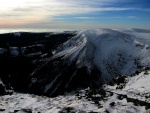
113,52
133,98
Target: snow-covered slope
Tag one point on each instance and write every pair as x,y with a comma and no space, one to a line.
91,58
133,98
111,51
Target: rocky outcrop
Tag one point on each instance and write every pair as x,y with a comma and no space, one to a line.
5,89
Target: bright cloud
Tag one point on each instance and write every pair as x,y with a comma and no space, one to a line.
23,12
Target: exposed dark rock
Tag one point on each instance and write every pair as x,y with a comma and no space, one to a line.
15,111
27,110
92,112
67,110
2,109
112,104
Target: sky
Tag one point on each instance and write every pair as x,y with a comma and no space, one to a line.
74,14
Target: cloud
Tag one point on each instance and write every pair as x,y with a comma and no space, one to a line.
84,18
132,17
18,12
126,17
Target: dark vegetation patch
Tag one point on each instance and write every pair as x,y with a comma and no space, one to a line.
15,70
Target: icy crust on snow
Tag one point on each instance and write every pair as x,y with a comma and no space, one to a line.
111,51
130,99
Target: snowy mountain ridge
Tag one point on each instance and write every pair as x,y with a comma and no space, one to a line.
111,51
91,58
92,71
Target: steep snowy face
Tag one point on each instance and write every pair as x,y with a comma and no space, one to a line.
112,52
